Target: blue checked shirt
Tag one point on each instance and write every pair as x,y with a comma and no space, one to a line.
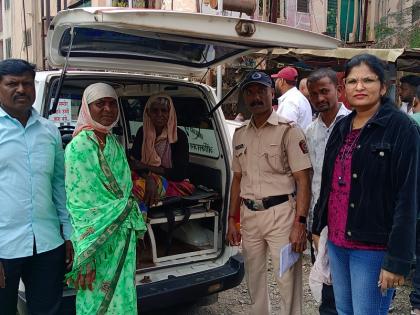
32,194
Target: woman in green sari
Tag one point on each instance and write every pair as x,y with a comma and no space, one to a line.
104,215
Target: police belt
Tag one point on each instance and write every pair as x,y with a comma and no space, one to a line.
265,203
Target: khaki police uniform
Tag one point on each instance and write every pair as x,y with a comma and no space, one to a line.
266,158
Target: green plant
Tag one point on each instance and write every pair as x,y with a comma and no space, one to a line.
331,21
382,30
415,39
139,3
120,3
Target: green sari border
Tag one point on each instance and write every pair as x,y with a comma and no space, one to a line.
97,244
110,293
113,184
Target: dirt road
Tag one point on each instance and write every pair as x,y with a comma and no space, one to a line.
236,300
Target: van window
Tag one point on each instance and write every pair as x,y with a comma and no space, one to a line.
192,119
192,111
147,45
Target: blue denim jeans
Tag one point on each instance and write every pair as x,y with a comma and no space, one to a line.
415,294
355,274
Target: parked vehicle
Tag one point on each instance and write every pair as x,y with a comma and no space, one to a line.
168,49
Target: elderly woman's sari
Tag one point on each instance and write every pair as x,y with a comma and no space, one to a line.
106,222
156,151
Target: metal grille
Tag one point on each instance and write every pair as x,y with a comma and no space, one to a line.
303,6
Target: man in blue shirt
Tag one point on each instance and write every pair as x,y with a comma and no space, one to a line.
34,223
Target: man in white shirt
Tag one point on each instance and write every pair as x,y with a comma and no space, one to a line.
303,88
323,93
293,105
407,91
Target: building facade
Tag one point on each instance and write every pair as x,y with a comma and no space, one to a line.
24,23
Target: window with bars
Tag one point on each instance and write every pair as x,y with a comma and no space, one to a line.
303,6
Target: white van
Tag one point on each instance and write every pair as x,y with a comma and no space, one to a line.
139,53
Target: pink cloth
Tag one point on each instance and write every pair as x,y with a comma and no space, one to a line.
149,156
338,202
163,149
92,93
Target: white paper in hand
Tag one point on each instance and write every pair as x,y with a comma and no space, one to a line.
287,258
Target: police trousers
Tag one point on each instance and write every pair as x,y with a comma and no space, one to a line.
266,232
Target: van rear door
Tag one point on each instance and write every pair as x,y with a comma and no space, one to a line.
164,42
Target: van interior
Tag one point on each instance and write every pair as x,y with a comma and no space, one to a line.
180,229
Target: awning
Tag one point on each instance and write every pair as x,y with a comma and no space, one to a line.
404,59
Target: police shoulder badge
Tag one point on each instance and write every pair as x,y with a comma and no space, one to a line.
303,146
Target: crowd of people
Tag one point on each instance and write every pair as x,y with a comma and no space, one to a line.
346,181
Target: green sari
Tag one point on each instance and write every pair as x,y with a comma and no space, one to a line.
106,223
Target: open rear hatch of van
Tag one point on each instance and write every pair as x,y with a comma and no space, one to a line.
163,41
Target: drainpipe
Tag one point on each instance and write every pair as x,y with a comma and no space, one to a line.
24,31
42,35
347,23
47,14
338,30
365,21
36,33
264,14
219,82
273,11
352,36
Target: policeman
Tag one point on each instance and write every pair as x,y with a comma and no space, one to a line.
270,164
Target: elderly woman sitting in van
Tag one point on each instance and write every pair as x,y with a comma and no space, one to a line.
104,214
160,154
